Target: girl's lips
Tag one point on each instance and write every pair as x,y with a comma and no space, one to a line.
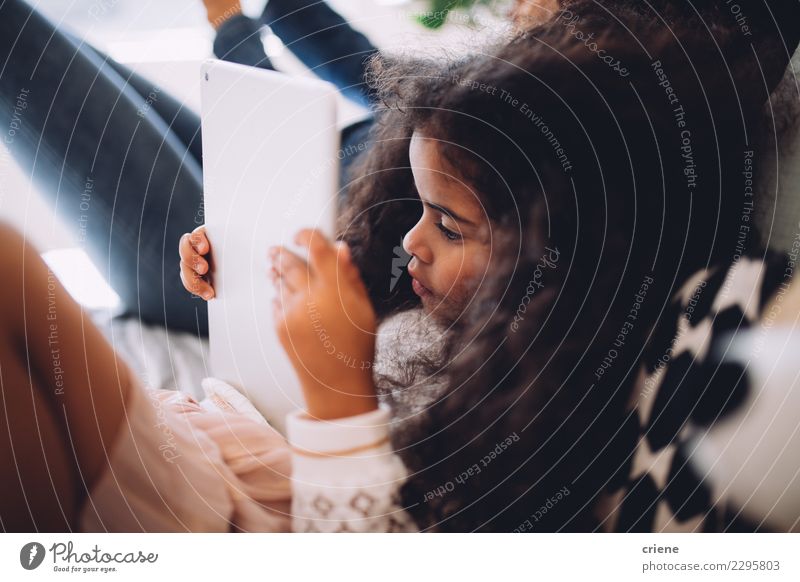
419,288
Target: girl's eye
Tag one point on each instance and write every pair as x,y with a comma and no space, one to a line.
447,233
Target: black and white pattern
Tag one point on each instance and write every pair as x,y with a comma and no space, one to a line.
685,386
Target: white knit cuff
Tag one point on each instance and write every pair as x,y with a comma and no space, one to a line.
350,436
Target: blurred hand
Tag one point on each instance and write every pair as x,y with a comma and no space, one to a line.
326,324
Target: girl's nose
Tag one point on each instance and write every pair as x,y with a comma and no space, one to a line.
415,245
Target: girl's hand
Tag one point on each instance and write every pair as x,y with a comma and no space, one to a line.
326,324
195,250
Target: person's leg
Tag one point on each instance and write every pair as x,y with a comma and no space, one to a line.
39,480
62,395
325,42
238,40
116,173
181,120
318,35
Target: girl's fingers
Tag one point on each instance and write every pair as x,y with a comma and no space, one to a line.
332,259
290,269
190,256
279,283
199,240
185,249
278,316
346,269
199,265
193,243
195,284
321,253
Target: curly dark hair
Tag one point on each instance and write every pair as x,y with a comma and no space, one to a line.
628,162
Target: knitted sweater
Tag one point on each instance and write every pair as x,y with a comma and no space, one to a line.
350,471
407,354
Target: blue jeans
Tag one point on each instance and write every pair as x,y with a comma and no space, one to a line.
120,160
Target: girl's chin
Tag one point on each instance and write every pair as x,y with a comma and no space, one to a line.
430,304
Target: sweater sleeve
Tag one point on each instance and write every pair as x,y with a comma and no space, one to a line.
345,475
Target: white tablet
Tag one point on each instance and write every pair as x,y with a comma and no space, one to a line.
270,168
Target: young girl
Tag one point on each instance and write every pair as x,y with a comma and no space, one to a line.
569,184
565,195
589,193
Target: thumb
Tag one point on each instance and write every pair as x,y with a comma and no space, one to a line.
343,250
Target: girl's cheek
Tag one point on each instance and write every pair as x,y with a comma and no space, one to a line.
461,271
455,277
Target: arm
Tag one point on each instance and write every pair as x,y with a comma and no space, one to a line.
345,477
345,474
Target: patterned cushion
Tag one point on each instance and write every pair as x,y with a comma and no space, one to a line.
778,173
683,389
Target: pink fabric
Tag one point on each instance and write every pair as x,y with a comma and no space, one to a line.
182,465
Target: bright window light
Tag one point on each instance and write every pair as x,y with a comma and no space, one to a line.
81,278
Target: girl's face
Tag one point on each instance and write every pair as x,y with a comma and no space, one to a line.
451,244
